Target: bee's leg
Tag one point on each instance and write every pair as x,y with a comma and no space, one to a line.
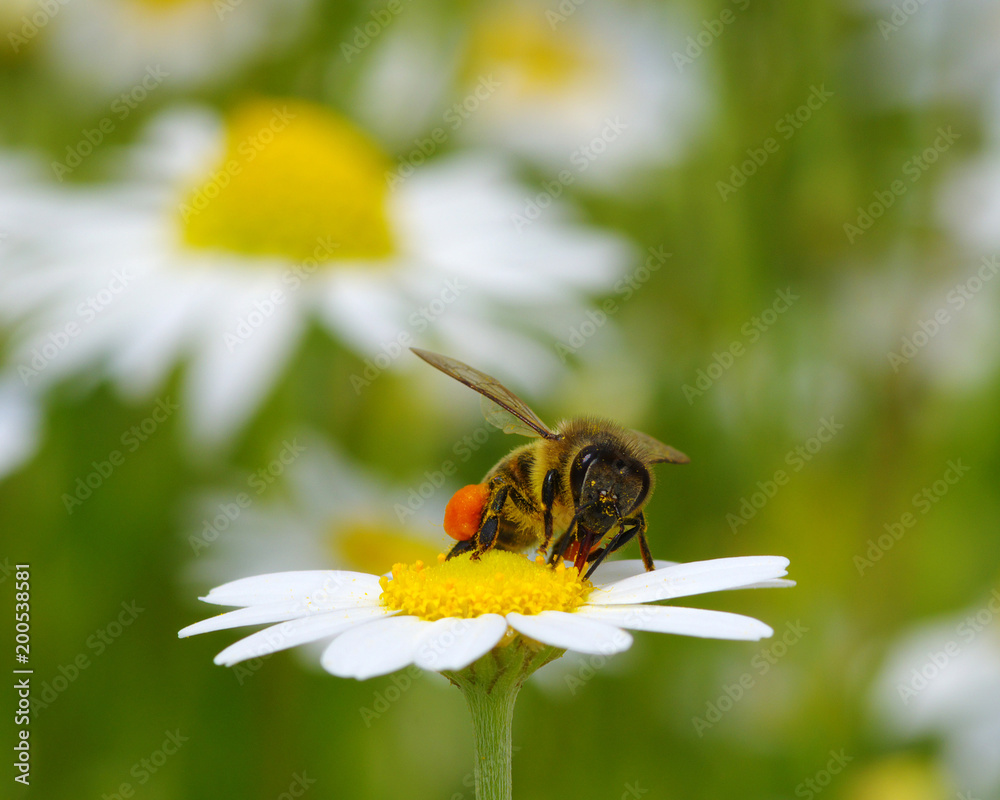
562,544
597,556
462,547
487,533
482,540
501,489
647,557
548,498
630,528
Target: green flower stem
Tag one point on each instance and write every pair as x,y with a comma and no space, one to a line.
492,716
490,687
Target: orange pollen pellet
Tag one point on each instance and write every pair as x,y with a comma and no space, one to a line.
465,510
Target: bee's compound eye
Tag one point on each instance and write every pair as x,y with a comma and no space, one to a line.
464,511
578,472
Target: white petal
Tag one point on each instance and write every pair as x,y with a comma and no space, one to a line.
84,352
697,577
613,571
20,422
683,621
172,311
453,643
777,583
362,309
572,632
492,340
296,632
252,615
230,376
326,589
374,649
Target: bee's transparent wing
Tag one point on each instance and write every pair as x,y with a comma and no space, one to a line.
500,417
660,452
502,407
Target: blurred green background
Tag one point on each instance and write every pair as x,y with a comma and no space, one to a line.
674,717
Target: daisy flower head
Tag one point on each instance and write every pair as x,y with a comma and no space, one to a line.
941,681
330,513
933,51
107,46
969,201
486,624
893,306
227,236
19,408
446,616
589,88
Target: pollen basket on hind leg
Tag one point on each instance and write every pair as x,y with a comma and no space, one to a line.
464,511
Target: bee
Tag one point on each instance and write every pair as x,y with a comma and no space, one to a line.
569,489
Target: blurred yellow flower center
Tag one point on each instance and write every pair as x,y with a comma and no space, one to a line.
371,548
164,4
296,181
525,54
497,583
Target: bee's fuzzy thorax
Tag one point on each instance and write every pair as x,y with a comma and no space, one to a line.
599,430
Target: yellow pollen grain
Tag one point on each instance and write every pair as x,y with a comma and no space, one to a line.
497,583
296,181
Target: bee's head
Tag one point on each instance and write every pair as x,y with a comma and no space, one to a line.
609,484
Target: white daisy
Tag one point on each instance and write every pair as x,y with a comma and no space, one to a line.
329,512
109,46
918,315
445,617
19,427
223,241
942,680
587,88
969,201
931,51
19,412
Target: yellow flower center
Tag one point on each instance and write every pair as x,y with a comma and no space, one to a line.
368,547
525,54
497,583
297,181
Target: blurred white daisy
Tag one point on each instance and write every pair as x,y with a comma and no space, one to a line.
19,412
942,680
446,616
930,51
109,46
969,200
222,242
328,511
19,426
917,314
589,88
